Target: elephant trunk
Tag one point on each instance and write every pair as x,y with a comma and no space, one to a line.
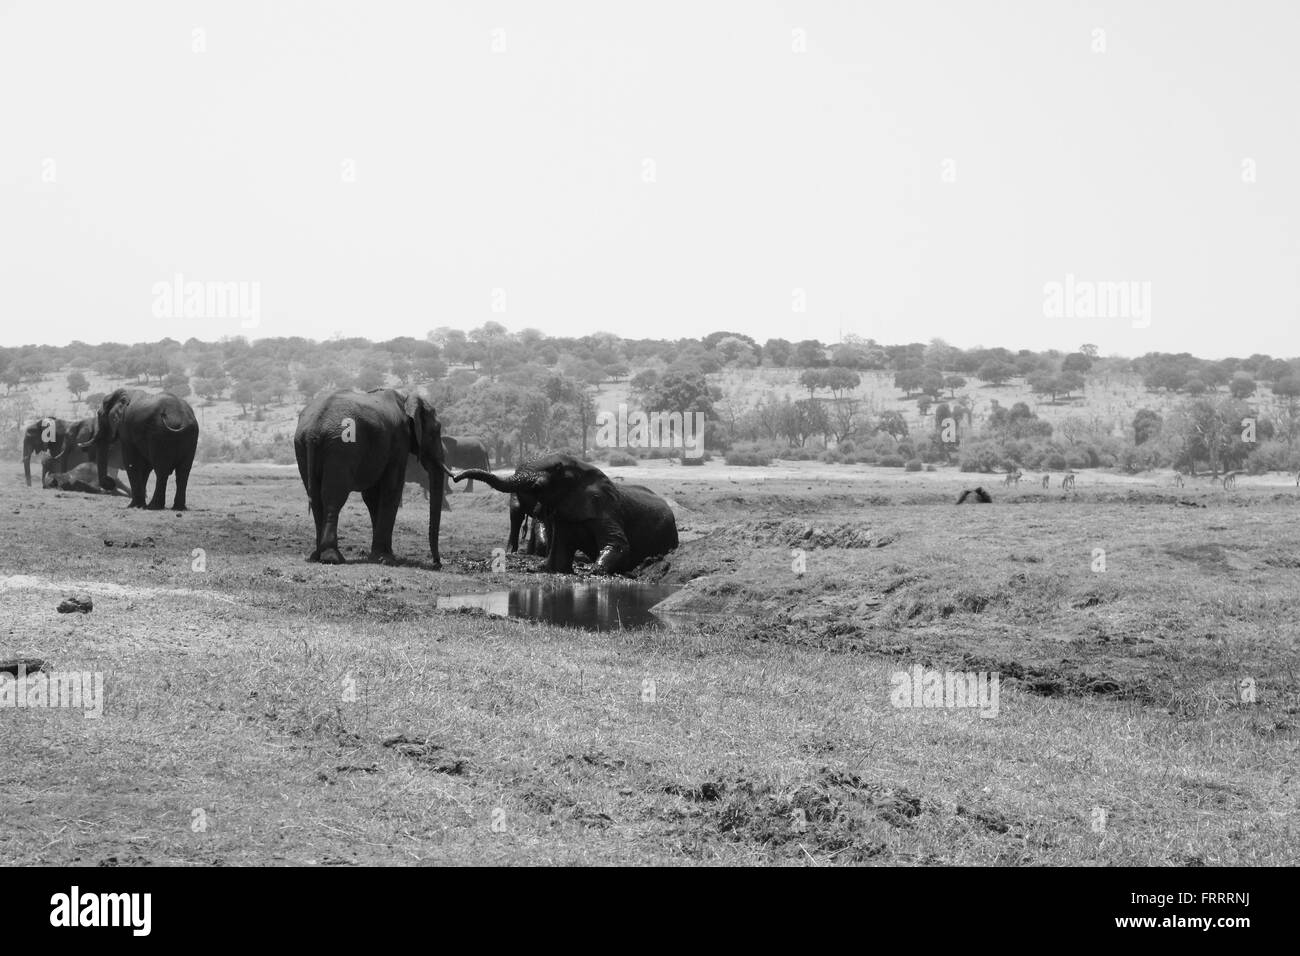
515,483
29,446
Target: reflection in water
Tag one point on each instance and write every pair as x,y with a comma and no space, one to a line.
602,606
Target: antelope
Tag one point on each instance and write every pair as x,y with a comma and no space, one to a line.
1178,480
1230,480
1047,480
1067,483
1012,479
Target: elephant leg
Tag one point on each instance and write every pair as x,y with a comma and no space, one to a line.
373,497
516,521
136,477
560,560
318,517
159,499
614,549
334,495
182,482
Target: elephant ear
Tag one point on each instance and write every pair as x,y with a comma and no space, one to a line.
424,427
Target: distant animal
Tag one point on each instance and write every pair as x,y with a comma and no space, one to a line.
83,478
1013,478
620,525
1047,480
460,451
1067,483
349,441
1178,480
975,496
1230,480
1297,479
156,432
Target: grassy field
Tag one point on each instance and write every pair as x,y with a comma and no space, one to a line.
266,710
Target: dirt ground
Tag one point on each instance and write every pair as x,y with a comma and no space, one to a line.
259,709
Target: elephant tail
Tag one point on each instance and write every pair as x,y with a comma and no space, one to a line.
313,470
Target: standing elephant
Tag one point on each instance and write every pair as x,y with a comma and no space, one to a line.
462,452
43,435
157,433
83,478
74,454
350,441
619,525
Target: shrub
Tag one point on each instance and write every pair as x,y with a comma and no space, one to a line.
915,465
748,455
696,461
891,461
833,457
929,468
620,459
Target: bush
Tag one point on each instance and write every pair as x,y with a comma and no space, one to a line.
686,460
620,459
891,461
795,453
929,468
833,457
748,456
915,465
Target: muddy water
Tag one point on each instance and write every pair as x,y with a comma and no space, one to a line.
591,605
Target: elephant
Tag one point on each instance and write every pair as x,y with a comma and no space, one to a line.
977,496
349,441
73,454
463,452
525,507
156,432
457,453
43,435
83,478
619,525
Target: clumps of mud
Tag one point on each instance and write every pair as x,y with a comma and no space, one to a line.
796,533
428,754
1053,680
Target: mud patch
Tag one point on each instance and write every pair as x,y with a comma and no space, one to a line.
795,533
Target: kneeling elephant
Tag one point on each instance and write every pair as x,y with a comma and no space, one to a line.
618,525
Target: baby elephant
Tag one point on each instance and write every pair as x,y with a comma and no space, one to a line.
977,496
85,479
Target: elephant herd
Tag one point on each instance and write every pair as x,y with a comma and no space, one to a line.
371,442
350,441
132,430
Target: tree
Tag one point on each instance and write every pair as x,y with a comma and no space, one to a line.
243,396
1146,426
77,384
996,372
778,352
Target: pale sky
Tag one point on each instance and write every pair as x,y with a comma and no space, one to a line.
922,169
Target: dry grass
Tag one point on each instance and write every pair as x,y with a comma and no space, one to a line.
769,737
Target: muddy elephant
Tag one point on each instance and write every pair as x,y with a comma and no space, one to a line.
45,435
524,507
73,454
619,525
350,441
83,478
977,496
155,433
